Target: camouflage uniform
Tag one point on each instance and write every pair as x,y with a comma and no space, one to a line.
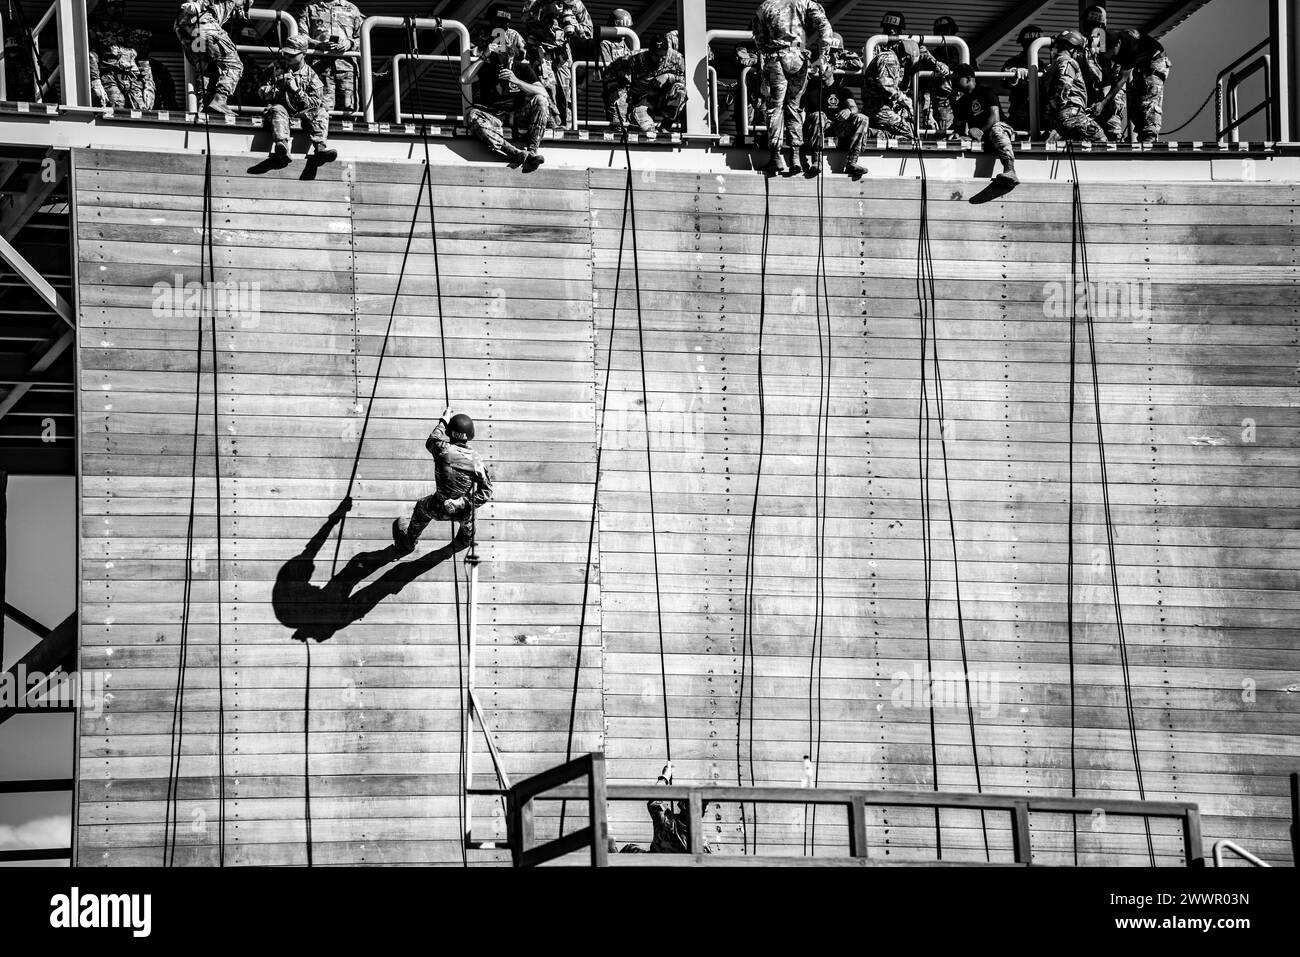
498,106
789,34
549,26
1067,101
1018,93
295,92
616,82
335,18
463,486
658,87
1100,77
938,94
200,27
888,77
125,81
973,110
1147,91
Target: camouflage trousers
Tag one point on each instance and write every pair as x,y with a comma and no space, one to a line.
891,120
852,131
1079,126
490,125
939,108
339,77
1147,100
432,508
999,139
316,122
786,74
659,107
125,89
617,110
215,60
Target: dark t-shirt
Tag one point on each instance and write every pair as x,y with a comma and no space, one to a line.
972,109
830,99
495,95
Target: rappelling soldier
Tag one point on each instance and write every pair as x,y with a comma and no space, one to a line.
295,90
462,485
833,110
1069,113
201,28
334,27
978,111
793,38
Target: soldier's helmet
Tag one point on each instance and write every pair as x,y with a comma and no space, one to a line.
499,12
945,27
1070,40
620,18
837,41
668,40
460,428
893,23
1029,34
296,45
1095,16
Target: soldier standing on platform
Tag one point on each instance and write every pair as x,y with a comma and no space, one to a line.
793,37
334,27
201,28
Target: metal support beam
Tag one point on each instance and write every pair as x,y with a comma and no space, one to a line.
1283,40
16,615
42,362
74,53
695,49
19,264
1006,27
56,651
1171,16
651,14
21,207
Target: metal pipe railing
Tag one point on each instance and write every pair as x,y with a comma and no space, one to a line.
1238,850
963,49
1225,86
454,27
1035,85
979,75
395,69
606,33
288,23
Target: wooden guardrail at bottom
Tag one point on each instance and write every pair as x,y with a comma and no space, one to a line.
555,785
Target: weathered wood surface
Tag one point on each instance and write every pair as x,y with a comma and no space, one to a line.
1196,338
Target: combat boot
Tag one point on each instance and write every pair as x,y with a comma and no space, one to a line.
402,535
795,164
854,166
777,165
325,154
218,105
1008,175
532,160
279,156
810,163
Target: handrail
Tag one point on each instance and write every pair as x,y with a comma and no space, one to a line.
1225,92
1240,851
290,28
395,69
963,49
979,75
1035,85
519,813
549,786
607,33
418,23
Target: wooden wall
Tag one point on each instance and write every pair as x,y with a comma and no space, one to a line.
1197,402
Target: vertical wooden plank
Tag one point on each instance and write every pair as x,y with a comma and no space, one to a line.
858,826
599,811
1021,846
1193,846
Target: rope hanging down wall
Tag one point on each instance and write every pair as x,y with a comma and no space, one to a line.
1079,267
171,813
927,304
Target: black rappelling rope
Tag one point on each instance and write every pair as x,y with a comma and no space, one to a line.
595,489
826,358
649,461
927,300
747,619
1079,250
171,816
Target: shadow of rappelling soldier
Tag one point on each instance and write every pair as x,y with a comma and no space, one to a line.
319,612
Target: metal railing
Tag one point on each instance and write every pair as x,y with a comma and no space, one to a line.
286,23
549,786
586,66
36,786
1239,851
979,75
454,28
1227,122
